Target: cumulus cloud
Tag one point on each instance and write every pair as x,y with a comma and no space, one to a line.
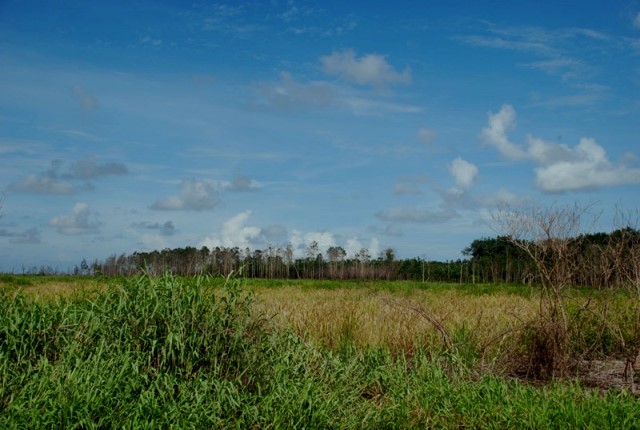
426,136
194,195
463,172
234,232
354,247
301,241
369,69
416,215
588,168
237,232
495,134
559,167
77,222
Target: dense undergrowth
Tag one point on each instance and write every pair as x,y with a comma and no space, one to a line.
186,353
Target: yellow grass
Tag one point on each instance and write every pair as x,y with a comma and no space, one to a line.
363,316
51,288
376,318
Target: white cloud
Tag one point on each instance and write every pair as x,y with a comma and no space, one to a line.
300,241
636,22
370,69
495,134
354,247
323,239
426,136
560,167
463,172
194,195
234,232
589,168
78,222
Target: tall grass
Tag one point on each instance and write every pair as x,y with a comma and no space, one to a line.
174,353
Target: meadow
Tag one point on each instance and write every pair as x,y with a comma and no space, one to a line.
212,352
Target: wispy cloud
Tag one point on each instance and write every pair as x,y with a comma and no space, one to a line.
57,180
87,101
47,182
164,229
289,95
558,51
417,215
242,183
426,136
89,168
29,236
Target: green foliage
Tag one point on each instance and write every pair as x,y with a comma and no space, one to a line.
15,281
185,353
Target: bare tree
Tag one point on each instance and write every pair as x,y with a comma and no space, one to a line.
548,235
624,251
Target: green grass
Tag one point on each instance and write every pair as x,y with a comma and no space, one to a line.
183,353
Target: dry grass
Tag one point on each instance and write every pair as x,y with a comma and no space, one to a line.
377,318
48,288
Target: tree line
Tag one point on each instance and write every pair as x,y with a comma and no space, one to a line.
595,259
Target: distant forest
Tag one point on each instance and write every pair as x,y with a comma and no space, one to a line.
598,259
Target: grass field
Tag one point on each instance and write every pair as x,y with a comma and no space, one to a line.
204,353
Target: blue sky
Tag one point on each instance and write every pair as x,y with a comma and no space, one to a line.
143,125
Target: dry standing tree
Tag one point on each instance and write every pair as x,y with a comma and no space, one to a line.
548,236
624,252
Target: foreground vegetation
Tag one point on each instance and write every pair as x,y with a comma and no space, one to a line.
160,352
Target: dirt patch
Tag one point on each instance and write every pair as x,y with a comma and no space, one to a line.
608,374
